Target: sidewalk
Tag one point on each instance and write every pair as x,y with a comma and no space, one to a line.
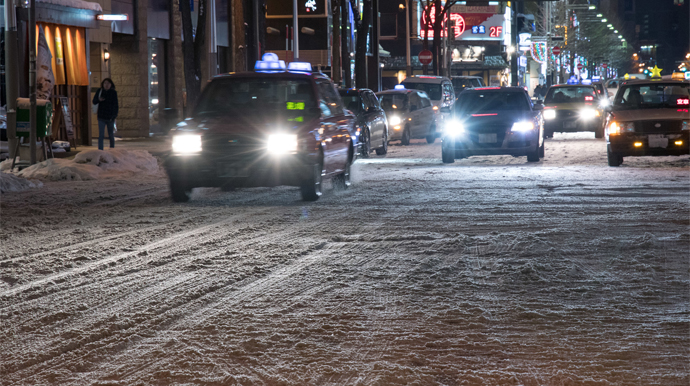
158,145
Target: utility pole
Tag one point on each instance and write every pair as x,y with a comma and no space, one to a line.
514,41
32,81
345,47
295,31
408,68
335,64
11,73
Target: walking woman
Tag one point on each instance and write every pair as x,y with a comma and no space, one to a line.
106,99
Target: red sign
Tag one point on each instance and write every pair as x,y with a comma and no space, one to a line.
458,28
579,66
556,50
425,57
604,65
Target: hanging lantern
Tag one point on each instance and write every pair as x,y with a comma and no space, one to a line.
538,51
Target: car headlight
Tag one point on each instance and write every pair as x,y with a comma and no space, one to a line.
620,127
186,144
282,143
604,102
522,126
589,113
549,114
453,128
394,120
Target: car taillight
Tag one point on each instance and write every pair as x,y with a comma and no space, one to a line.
683,102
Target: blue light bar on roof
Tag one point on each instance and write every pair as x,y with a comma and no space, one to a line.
596,78
269,66
299,66
269,57
573,80
586,81
400,87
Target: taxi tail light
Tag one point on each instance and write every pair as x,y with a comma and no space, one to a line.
683,102
589,98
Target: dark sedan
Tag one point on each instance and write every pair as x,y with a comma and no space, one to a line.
494,120
371,127
648,118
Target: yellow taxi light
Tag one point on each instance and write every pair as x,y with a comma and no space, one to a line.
678,143
638,144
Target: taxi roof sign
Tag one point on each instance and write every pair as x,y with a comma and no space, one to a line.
399,86
269,63
299,66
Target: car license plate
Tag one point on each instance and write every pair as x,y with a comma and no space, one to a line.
233,171
657,140
487,138
570,125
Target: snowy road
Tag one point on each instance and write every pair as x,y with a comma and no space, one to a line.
488,271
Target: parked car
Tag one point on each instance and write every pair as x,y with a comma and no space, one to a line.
460,83
494,120
438,88
371,125
410,115
648,118
573,108
264,128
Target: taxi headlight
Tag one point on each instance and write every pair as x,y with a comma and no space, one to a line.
282,143
588,113
394,120
549,114
522,126
186,144
620,127
453,128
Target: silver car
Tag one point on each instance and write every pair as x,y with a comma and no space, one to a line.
410,115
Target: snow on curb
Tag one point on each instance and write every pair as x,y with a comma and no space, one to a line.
91,165
11,183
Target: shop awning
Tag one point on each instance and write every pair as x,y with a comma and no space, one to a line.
77,13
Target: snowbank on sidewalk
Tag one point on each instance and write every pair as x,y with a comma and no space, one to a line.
93,165
11,183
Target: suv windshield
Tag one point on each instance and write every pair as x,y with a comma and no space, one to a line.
256,96
656,95
393,102
433,90
569,95
477,101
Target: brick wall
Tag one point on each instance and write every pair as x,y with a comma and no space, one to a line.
129,71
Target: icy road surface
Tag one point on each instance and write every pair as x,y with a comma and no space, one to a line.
488,271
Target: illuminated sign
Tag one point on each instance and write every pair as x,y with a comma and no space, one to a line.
458,25
466,26
310,6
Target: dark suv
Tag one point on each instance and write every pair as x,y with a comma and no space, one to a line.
265,128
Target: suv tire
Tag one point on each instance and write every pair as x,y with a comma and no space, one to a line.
311,188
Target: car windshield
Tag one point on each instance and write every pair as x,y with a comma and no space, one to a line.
471,102
255,96
569,95
433,90
352,102
656,95
393,102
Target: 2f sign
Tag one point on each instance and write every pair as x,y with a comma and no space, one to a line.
495,32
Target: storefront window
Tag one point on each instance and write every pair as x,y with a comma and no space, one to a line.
154,100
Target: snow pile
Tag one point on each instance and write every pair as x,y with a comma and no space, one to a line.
92,165
12,183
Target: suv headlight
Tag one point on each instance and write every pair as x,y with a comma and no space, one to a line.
394,120
186,144
282,143
549,114
453,128
522,126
